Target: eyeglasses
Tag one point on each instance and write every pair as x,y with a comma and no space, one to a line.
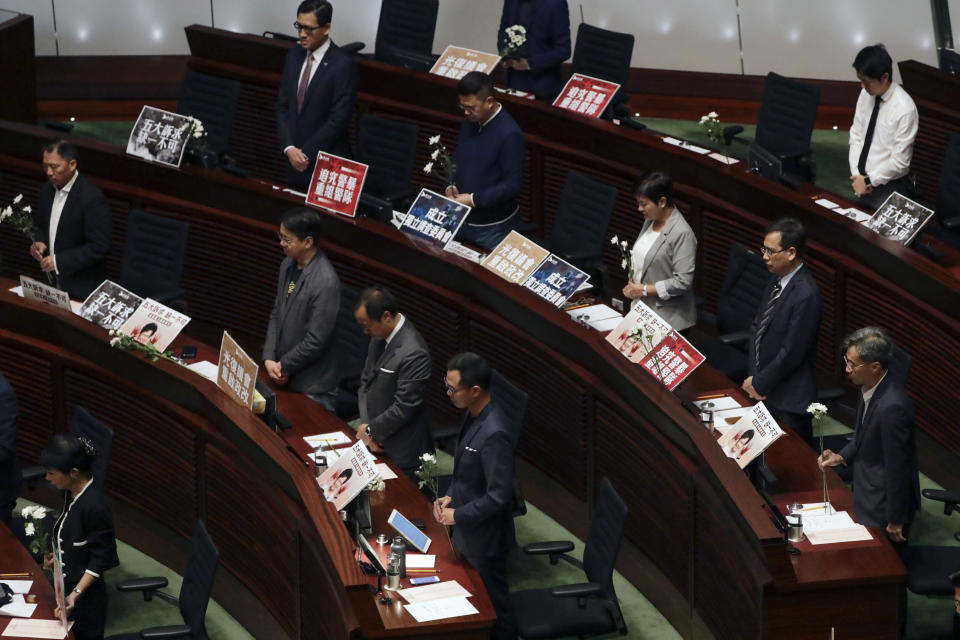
764,251
285,241
450,389
848,363
468,108
302,27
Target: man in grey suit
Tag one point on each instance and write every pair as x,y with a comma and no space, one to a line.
298,350
394,382
886,485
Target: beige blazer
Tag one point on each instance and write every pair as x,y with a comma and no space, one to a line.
670,264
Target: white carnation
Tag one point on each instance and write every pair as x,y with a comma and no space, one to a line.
427,168
29,529
614,240
6,213
713,114
435,154
623,263
27,209
18,198
114,342
434,140
428,457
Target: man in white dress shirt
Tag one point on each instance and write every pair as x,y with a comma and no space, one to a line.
883,131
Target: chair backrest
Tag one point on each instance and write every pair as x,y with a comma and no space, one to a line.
405,26
153,253
198,581
603,54
787,116
351,342
899,367
390,148
213,101
948,194
82,423
606,531
743,286
512,402
582,215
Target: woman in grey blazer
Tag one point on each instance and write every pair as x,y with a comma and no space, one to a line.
664,257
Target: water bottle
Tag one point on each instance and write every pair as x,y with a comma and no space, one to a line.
399,549
393,572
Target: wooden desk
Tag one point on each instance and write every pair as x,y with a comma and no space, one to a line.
17,559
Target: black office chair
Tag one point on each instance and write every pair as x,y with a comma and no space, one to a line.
351,350
389,147
604,54
194,592
586,608
153,256
405,33
82,423
743,286
212,100
948,195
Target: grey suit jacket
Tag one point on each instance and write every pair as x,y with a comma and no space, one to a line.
300,335
672,261
392,391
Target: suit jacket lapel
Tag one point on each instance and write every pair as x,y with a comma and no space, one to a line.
658,243
319,76
466,437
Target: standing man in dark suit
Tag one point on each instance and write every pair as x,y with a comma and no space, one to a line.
317,93
299,346
479,501
10,478
73,223
548,45
886,484
394,382
783,340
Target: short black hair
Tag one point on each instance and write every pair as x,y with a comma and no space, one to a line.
874,61
303,223
65,451
66,150
748,434
475,83
792,234
872,344
150,326
473,368
654,185
320,8
376,300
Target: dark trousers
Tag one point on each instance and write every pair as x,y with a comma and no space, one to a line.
90,615
493,572
875,198
802,423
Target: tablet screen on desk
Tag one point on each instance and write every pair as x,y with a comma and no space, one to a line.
372,555
409,531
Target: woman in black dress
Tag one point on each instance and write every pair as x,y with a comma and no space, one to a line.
82,535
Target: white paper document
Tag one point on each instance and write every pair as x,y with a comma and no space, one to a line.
839,520
466,253
719,404
18,586
724,420
855,533
18,607
440,609
386,473
328,440
719,157
28,628
205,368
605,325
823,202
435,591
686,145
421,561
854,214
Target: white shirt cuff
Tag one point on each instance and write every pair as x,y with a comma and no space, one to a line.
662,290
286,148
95,575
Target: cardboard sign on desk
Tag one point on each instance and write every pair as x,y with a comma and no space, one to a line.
44,293
456,62
336,184
236,372
555,280
515,258
585,95
672,360
110,305
899,218
647,327
434,218
348,476
750,436
154,323
160,136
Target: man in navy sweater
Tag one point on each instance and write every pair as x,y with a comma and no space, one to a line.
489,163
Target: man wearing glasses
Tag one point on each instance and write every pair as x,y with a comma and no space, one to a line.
783,340
489,163
886,485
317,93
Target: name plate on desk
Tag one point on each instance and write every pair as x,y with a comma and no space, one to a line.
236,372
585,95
899,218
160,136
515,258
456,62
336,184
35,290
434,218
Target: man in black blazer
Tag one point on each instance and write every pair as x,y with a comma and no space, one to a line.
394,382
547,23
783,337
73,223
886,484
479,500
10,478
317,93
299,347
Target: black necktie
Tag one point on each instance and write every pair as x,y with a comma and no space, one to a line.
765,321
862,164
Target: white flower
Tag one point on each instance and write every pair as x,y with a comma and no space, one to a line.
817,409
27,209
703,119
623,263
428,457
6,213
114,342
39,513
26,511
427,168
623,245
29,529
434,140
713,114
436,152
614,240
18,198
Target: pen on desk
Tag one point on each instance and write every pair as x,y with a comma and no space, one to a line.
711,397
423,570
13,575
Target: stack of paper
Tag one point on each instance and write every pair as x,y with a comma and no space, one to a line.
328,440
24,628
597,316
440,609
18,607
435,591
686,145
822,524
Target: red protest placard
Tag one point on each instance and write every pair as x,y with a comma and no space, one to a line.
586,95
336,184
672,360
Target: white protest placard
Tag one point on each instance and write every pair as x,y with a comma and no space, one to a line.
638,332
154,323
750,436
109,305
160,136
349,475
456,62
44,293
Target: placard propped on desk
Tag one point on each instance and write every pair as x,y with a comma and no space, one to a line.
456,62
586,95
349,475
672,360
44,293
750,436
555,280
899,218
160,136
515,258
236,372
639,332
336,184
154,323
434,218
110,305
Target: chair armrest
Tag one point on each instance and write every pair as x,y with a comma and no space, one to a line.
577,590
950,499
142,584
32,474
580,254
161,633
830,394
353,47
737,337
951,223
555,550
